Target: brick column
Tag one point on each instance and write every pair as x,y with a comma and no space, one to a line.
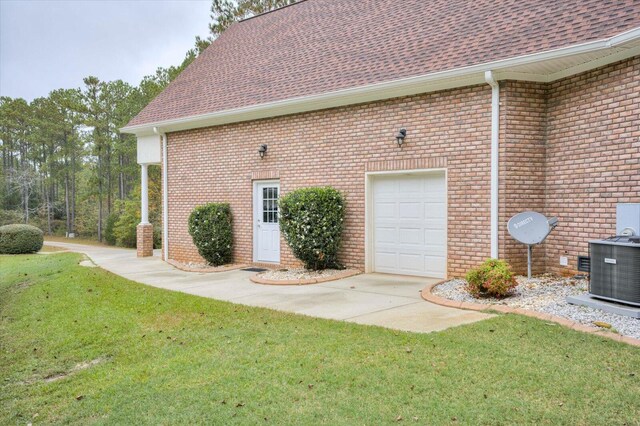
144,239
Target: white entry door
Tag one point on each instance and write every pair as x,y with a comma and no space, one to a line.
410,224
266,229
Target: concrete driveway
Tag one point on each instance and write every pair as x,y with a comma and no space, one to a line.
390,301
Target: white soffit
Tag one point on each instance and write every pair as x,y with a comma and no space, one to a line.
541,67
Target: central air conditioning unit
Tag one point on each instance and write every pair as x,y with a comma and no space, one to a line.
615,261
615,269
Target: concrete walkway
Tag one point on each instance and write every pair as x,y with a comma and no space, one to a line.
376,299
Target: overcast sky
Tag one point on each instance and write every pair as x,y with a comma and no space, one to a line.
47,45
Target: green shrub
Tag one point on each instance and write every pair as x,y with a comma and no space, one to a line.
19,239
58,227
157,236
124,229
312,220
109,228
210,228
7,217
493,278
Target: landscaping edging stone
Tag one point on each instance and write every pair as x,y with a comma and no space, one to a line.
223,268
340,275
428,295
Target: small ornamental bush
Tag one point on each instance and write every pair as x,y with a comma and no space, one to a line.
311,220
210,228
493,278
19,239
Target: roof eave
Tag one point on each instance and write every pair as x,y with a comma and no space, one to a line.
609,50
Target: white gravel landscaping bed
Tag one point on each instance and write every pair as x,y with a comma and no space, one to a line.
546,294
298,274
203,267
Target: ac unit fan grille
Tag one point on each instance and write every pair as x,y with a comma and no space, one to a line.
619,280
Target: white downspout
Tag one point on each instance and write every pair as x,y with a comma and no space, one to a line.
165,196
165,199
495,129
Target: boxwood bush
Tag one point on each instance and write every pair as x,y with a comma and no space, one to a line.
312,220
493,278
210,228
19,239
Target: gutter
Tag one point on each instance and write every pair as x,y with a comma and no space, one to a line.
165,196
495,135
463,76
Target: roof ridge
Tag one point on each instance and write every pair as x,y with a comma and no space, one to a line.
272,10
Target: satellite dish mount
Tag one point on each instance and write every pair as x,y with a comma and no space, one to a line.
530,228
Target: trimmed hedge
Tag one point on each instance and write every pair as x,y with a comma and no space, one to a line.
493,278
20,239
210,228
312,220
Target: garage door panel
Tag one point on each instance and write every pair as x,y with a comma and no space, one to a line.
409,185
435,210
411,236
433,194
435,265
385,188
412,262
410,210
386,235
410,224
435,238
386,260
386,210
434,223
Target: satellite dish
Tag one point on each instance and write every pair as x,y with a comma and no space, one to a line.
530,228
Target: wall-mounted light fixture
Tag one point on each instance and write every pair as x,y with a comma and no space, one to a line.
402,133
262,150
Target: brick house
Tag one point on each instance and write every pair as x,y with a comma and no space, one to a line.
507,106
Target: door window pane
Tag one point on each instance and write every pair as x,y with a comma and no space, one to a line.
270,204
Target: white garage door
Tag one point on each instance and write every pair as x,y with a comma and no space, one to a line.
410,224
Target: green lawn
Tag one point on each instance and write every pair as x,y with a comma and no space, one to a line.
79,240
165,358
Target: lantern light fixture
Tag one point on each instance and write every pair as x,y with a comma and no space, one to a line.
402,133
262,150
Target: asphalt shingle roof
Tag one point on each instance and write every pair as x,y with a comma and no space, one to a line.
319,46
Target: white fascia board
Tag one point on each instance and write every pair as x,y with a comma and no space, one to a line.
618,55
631,35
338,98
459,77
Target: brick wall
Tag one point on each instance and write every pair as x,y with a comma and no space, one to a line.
523,107
593,156
569,148
335,147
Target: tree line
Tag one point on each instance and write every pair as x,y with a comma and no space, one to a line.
65,166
